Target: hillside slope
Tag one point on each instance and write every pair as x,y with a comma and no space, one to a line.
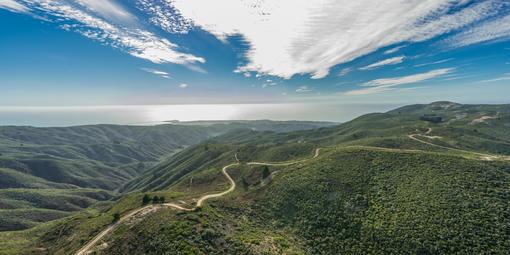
85,159
384,183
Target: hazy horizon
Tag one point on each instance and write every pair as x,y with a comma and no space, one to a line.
60,116
158,114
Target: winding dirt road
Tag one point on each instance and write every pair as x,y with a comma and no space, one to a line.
482,156
92,243
317,151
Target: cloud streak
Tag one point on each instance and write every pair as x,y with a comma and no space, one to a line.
385,84
434,63
162,74
394,49
303,89
504,77
389,61
14,6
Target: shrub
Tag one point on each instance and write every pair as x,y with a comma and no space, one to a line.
146,199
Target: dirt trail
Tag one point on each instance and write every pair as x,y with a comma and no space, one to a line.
317,151
482,156
90,245
85,249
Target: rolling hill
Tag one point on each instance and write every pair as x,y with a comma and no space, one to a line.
49,173
421,179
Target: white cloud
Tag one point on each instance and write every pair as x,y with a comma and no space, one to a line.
162,74
304,89
135,41
385,84
393,50
269,83
196,68
164,15
183,85
108,9
289,37
494,29
12,5
389,61
409,79
345,71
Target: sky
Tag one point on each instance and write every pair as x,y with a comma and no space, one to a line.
286,59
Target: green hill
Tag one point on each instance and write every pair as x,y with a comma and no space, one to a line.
95,159
421,179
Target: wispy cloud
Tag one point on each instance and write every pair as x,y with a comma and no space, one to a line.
304,89
162,74
91,19
268,83
504,77
490,30
245,74
435,62
183,85
389,61
108,9
393,50
323,33
195,68
385,84
345,71
12,5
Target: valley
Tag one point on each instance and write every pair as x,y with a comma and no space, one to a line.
381,183
50,173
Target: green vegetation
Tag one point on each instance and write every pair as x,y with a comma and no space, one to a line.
372,190
146,199
116,217
265,172
360,201
79,165
24,208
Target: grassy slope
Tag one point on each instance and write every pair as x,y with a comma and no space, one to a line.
350,199
99,157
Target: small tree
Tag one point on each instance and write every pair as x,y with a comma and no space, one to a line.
146,199
265,172
155,200
245,183
116,217
162,200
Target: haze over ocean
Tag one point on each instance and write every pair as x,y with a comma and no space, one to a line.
158,114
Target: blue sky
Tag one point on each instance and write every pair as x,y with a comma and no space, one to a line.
141,52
